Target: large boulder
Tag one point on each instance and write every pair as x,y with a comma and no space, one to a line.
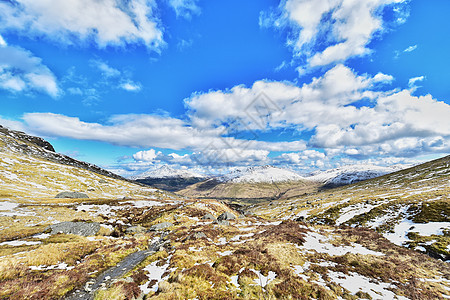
226,216
209,216
160,226
72,195
78,228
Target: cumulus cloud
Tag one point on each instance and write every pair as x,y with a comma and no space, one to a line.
105,22
148,155
130,86
21,71
345,26
342,112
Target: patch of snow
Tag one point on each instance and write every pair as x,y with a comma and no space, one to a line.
262,280
351,211
145,203
225,253
41,236
234,280
20,243
61,266
317,242
154,273
354,282
239,236
401,230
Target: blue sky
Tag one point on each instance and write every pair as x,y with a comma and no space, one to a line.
209,85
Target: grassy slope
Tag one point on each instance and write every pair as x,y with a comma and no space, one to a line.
253,258
219,190
418,195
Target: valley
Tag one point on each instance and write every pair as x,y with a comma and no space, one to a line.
384,238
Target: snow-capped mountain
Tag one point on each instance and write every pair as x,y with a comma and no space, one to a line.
262,174
167,172
351,174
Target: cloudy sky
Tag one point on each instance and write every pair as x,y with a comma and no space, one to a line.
309,84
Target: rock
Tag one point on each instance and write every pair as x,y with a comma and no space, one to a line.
209,217
226,216
160,226
78,228
72,195
135,229
199,235
222,222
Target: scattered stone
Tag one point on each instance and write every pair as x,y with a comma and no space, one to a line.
222,222
78,228
160,226
226,216
72,195
135,229
209,216
199,235
127,198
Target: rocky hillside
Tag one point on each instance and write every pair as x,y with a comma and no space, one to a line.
351,174
409,207
168,178
18,142
30,168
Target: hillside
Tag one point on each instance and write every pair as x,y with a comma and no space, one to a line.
350,174
154,245
409,207
265,182
168,178
29,168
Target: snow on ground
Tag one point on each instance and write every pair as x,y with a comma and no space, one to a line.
225,253
61,266
318,242
20,243
399,236
8,206
354,282
154,273
262,280
351,211
95,210
147,203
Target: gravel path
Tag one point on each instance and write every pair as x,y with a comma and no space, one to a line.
106,278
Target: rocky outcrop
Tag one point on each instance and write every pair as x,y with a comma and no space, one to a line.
160,226
72,195
226,216
78,228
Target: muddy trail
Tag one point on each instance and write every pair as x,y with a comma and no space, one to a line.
107,278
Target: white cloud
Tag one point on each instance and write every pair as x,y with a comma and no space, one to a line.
410,48
106,70
106,22
2,42
21,71
185,8
346,26
412,81
131,86
147,156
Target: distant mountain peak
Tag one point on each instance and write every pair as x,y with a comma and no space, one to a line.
352,173
166,171
261,174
